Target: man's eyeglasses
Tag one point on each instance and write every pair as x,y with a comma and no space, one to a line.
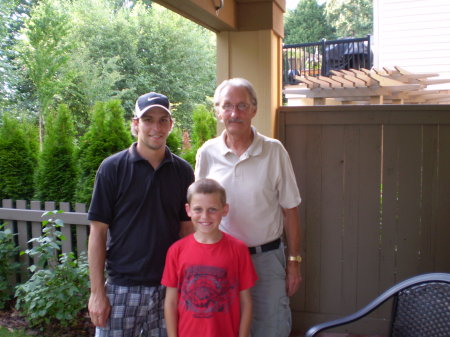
240,106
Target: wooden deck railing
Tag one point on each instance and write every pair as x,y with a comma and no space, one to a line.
24,218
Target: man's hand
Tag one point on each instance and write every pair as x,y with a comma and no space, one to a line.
99,309
293,277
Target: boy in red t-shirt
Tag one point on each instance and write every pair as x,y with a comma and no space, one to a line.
208,274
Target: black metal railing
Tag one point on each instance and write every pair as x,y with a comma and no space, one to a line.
319,58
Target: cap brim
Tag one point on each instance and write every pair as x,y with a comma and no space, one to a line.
143,111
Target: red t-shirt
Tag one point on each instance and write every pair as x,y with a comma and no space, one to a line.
209,278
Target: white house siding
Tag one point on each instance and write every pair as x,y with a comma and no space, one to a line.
413,34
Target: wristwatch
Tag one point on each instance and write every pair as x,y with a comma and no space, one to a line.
297,258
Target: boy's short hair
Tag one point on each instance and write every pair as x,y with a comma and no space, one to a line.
206,186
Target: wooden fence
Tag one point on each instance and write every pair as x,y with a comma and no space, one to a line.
25,219
375,184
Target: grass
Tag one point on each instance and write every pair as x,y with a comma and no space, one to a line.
5,332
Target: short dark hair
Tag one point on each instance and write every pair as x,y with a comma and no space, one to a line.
206,186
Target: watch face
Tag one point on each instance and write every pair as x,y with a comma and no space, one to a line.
297,258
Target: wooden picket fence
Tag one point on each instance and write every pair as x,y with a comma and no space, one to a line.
25,218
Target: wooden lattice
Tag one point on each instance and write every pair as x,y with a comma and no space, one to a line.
385,86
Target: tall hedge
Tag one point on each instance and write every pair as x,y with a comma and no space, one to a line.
56,172
203,128
108,133
17,160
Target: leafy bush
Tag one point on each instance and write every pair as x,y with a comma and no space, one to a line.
59,288
203,128
8,251
174,141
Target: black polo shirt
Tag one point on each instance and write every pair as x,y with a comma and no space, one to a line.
143,208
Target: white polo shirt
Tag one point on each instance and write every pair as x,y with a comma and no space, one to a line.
259,184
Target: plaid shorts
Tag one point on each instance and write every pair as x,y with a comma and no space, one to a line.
136,311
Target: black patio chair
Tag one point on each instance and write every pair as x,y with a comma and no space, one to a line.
421,308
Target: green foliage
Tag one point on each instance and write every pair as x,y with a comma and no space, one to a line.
44,51
175,141
56,173
46,246
57,295
58,289
351,18
17,160
8,267
307,23
8,332
204,126
148,49
84,51
107,134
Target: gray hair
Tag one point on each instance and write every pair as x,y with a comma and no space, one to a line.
235,82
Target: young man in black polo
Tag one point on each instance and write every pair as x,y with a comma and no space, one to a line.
139,197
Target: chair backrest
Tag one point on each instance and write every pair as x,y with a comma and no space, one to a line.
422,310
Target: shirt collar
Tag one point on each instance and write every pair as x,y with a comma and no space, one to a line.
254,149
135,156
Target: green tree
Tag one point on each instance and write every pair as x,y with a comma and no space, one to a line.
204,128
307,23
351,18
107,134
17,160
175,141
148,49
44,51
56,173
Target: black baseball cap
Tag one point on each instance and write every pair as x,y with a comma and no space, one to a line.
151,100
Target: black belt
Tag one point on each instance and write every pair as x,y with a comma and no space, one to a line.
265,247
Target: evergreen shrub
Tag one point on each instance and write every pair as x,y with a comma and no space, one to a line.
17,162
106,135
56,172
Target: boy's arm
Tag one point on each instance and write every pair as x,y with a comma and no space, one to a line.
246,313
171,311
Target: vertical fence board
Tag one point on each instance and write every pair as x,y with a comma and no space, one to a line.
368,201
297,155
312,202
36,227
409,191
8,224
350,217
331,224
22,230
27,223
66,245
389,221
7,203
81,231
428,186
376,190
441,240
